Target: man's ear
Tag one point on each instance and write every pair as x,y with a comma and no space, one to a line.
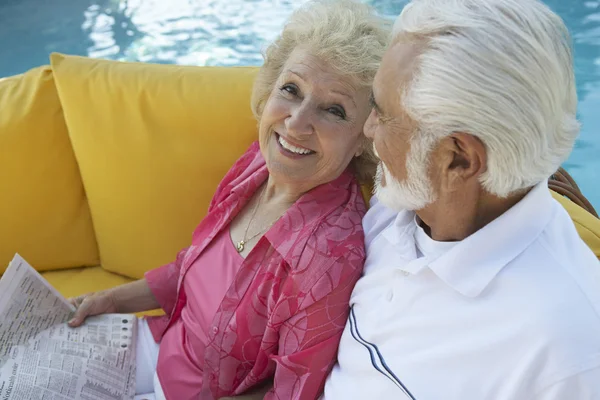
466,155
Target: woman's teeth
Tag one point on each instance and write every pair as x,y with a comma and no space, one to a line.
290,147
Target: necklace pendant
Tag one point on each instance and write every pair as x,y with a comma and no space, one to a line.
240,246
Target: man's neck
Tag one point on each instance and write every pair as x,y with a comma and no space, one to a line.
456,219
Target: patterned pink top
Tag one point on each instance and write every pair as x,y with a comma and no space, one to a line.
284,313
184,342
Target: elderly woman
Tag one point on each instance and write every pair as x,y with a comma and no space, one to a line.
262,292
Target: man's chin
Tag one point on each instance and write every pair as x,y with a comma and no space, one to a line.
397,200
398,196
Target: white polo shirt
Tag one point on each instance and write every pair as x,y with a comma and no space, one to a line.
510,312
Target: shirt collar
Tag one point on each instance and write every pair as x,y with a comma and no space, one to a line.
292,230
400,233
474,262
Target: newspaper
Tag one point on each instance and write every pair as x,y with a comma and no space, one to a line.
42,358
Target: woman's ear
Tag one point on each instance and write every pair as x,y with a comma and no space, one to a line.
365,143
360,149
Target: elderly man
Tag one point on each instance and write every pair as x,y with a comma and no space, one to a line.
477,285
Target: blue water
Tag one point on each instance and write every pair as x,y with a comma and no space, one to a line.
233,32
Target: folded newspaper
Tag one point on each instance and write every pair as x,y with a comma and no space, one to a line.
41,357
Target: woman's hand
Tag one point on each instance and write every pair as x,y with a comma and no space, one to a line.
129,298
92,304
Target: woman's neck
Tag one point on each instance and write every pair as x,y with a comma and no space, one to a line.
282,195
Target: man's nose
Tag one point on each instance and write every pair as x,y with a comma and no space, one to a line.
369,128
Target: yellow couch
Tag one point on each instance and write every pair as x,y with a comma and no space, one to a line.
107,167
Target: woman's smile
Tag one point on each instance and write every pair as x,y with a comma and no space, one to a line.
291,150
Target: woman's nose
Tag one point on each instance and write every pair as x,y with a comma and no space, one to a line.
300,123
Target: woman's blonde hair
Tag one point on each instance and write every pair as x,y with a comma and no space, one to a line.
345,34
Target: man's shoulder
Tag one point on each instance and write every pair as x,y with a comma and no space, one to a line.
560,258
559,269
563,242
557,282
564,334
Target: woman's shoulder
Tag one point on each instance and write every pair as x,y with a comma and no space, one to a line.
338,228
246,165
341,229
340,205
322,234
241,173
327,219
334,249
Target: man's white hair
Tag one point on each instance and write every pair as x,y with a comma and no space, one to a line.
501,70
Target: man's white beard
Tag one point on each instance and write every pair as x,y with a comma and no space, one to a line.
415,193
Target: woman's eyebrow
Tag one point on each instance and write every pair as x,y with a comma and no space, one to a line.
299,75
351,98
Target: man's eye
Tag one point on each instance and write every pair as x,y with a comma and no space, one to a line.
289,88
373,106
337,111
377,115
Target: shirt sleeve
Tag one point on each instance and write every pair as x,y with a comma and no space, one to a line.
162,282
581,386
309,339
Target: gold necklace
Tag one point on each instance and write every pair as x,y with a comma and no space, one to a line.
240,245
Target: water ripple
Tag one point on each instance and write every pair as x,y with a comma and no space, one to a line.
234,32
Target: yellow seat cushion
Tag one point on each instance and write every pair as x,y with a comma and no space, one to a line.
152,142
586,224
44,214
78,281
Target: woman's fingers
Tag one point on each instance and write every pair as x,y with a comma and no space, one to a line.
91,304
76,301
84,306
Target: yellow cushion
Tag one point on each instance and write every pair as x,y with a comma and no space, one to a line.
586,224
367,193
78,281
44,214
152,142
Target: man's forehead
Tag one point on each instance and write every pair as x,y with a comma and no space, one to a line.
396,70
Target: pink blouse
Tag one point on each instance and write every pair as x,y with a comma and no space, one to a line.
184,342
283,314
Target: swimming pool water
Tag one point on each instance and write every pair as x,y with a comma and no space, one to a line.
232,32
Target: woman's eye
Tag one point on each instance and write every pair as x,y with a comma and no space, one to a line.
289,88
337,111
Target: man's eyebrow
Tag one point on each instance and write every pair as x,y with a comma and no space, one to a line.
374,104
